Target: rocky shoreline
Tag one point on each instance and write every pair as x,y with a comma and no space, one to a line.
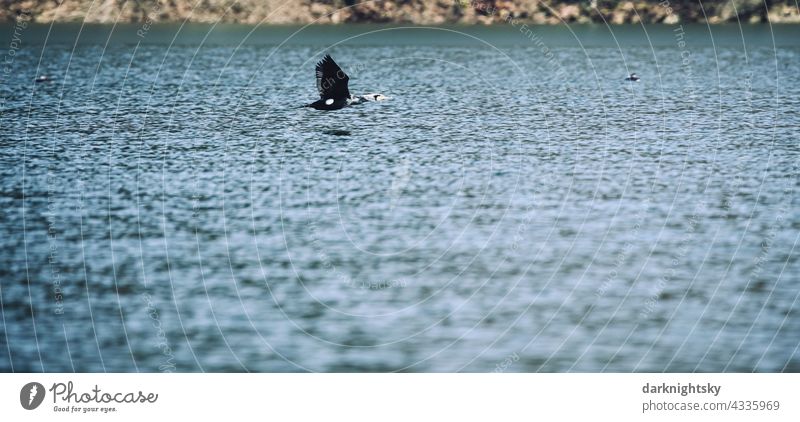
410,11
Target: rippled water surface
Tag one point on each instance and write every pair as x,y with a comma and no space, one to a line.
165,204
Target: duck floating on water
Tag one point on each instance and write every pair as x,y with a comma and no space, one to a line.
42,78
632,78
333,91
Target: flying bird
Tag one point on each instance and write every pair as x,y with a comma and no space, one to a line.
333,91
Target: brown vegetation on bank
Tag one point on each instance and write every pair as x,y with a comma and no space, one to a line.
409,11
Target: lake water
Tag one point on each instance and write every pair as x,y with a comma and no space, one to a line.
516,206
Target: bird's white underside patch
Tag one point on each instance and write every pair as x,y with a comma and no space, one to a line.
329,101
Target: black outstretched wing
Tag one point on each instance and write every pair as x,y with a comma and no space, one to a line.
331,79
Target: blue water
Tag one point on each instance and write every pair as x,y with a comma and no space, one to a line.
516,206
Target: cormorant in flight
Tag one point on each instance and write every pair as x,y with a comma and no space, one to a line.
332,87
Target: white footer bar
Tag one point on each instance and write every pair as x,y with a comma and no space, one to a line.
400,397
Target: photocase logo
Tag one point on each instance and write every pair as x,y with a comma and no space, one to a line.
31,395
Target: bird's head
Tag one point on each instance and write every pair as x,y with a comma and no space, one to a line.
377,97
